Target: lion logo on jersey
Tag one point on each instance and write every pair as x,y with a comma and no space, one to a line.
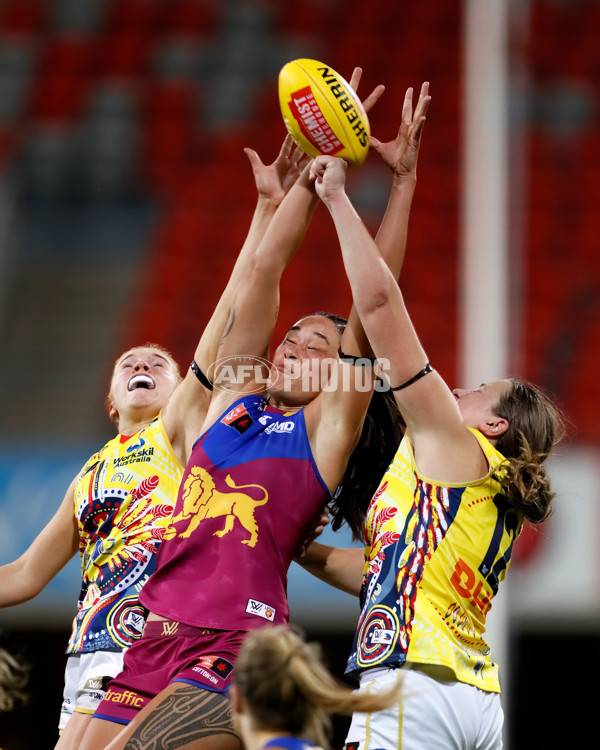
201,500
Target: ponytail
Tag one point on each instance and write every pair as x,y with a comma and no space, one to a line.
535,427
286,687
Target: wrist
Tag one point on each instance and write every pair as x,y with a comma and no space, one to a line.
266,204
336,201
404,179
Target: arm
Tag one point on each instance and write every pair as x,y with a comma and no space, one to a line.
345,410
254,310
401,156
186,410
444,447
52,549
341,568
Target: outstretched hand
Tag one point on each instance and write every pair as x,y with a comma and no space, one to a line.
329,175
273,181
402,153
373,97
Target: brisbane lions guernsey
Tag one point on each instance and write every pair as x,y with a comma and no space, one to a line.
249,494
124,498
435,554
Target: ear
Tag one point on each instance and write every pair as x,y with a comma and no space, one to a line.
112,411
493,427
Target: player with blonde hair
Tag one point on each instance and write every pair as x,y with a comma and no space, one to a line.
118,507
266,461
283,695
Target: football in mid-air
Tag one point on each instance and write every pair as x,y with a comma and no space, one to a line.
322,113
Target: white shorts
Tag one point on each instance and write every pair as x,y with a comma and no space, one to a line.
86,678
436,712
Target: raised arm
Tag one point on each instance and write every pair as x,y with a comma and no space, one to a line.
401,156
186,410
51,550
254,310
443,446
340,412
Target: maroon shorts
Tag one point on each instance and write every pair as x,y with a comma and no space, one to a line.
167,652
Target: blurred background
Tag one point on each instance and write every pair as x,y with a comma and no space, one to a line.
125,196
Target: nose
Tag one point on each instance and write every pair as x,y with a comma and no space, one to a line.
458,392
141,364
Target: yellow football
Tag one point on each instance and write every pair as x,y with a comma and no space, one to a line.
322,113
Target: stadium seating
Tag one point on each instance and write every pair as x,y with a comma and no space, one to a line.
122,98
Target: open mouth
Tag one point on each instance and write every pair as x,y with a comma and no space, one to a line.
140,381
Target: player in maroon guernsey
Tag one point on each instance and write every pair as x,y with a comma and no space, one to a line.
266,461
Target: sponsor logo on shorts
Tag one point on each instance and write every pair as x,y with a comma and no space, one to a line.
127,698
169,628
97,683
216,664
260,609
206,675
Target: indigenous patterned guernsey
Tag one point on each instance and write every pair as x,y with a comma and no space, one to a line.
435,554
123,503
247,499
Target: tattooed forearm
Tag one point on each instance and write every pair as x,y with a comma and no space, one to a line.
187,715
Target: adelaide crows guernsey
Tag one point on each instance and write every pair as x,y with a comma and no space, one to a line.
124,498
435,554
247,499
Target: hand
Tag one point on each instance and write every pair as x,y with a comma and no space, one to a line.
273,181
329,175
373,97
318,525
401,154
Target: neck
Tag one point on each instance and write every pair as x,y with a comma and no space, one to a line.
277,403
131,426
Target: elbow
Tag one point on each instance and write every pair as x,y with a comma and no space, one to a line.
376,302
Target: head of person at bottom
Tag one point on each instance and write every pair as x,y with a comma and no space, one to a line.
283,689
524,425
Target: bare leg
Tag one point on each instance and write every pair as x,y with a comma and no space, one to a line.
71,735
181,716
99,733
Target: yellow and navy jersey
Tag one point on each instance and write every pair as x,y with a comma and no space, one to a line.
123,502
434,556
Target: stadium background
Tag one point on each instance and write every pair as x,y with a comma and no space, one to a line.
125,195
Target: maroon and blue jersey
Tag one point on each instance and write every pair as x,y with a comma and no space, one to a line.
248,497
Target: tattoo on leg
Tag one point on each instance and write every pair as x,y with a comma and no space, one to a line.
186,715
